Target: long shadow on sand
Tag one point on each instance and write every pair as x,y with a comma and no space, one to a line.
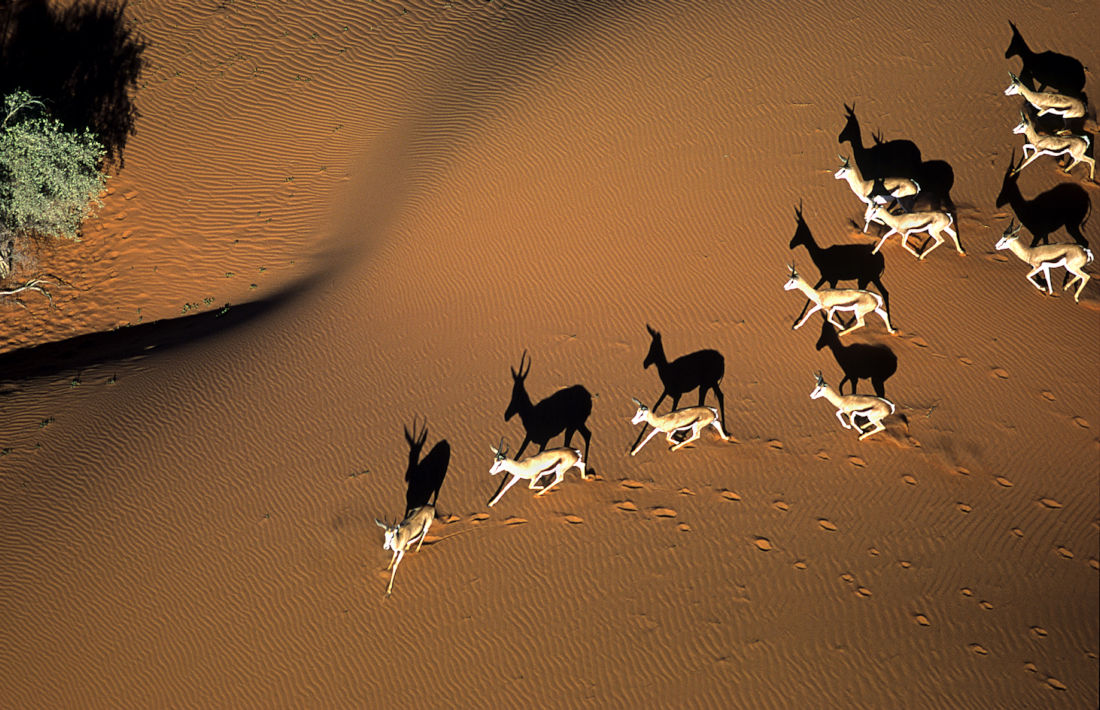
1066,205
1042,71
900,158
135,341
859,361
83,61
702,370
841,262
424,476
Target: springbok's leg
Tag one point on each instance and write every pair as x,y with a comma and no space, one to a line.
1046,275
939,240
558,476
507,485
721,432
878,427
423,534
1081,277
582,468
1031,277
907,246
830,314
394,573
840,416
883,240
858,324
646,441
815,309
695,431
390,565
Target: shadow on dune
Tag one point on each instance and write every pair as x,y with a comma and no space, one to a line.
424,475
859,361
1043,71
1066,205
900,158
841,262
83,61
137,341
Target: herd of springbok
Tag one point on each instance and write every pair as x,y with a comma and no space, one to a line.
888,201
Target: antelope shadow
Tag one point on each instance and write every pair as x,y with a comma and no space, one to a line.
899,158
841,262
702,370
563,412
1046,70
83,61
424,476
859,361
1067,204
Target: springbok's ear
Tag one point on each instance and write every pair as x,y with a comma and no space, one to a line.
381,524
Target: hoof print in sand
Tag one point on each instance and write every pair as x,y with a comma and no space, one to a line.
999,373
909,479
1001,480
663,512
573,519
631,484
729,495
763,544
1081,422
826,524
978,649
775,444
857,461
514,520
479,517
921,620
781,505
1064,552
627,506
1050,503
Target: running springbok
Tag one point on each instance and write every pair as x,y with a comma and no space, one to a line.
831,300
694,419
1049,256
1043,144
873,409
401,536
891,187
933,223
551,461
1047,101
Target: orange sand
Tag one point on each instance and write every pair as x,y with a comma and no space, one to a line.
398,199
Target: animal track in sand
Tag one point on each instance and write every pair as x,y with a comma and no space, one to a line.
800,564
1050,503
966,592
1081,422
1064,552
683,527
978,649
781,505
729,495
573,519
987,605
1038,632
822,455
999,373
631,484
909,479
1094,563
863,591
965,361
686,492
1055,683
962,471
626,506
857,461
1003,481
963,507
763,544
827,524
1047,395
1017,532
660,512
515,520
919,342
478,517
775,444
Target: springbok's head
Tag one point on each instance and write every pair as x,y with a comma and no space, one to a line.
1023,125
500,455
639,416
1013,86
845,168
519,389
792,281
391,532
1011,234
819,389
656,349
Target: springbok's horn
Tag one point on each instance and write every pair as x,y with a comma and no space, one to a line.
637,402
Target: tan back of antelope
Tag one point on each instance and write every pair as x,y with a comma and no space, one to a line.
1045,257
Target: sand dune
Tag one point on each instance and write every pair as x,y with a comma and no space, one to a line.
397,200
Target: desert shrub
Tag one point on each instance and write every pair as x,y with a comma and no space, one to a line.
50,177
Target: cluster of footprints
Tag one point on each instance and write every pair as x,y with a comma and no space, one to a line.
567,410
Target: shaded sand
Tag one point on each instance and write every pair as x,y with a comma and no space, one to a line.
398,200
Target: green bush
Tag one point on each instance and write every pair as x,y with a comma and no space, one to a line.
50,177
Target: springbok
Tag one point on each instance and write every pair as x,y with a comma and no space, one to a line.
891,187
401,536
1046,101
832,300
693,419
933,223
551,461
1042,144
873,409
1049,256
